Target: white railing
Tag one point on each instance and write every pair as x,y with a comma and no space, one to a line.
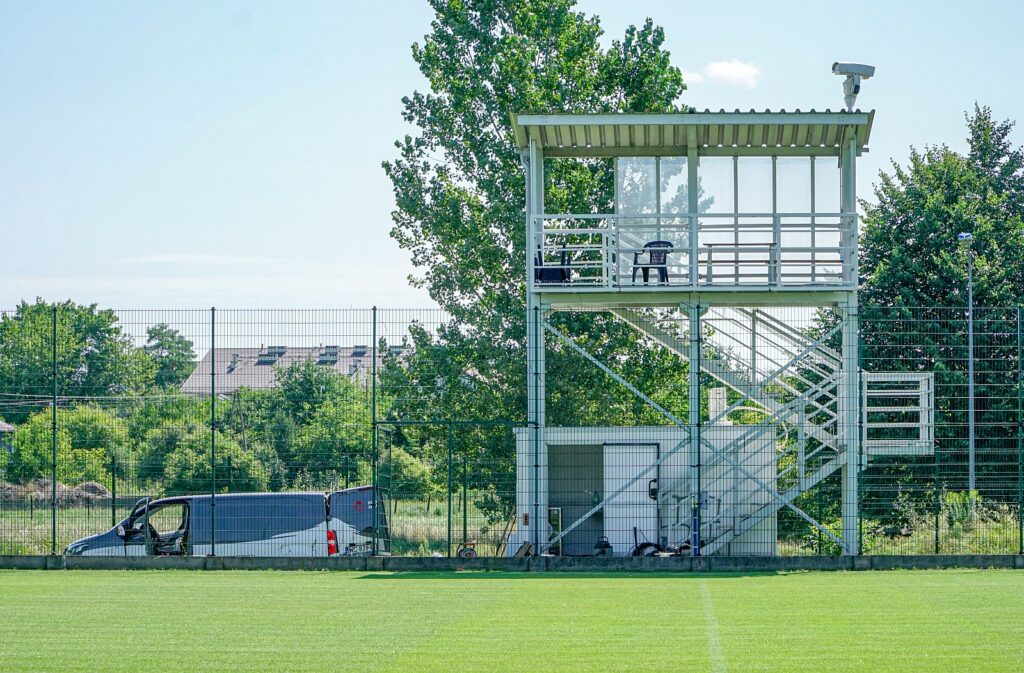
898,413
603,251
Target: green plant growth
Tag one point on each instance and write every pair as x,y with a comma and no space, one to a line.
87,438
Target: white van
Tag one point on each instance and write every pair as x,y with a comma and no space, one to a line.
247,524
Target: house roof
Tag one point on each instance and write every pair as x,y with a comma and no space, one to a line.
255,368
765,132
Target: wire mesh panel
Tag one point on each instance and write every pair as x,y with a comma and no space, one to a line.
27,374
450,487
359,431
963,494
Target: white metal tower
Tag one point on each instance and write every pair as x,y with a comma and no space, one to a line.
719,216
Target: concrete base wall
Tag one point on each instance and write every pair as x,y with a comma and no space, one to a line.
680,564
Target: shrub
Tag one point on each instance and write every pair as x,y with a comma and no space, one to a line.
187,468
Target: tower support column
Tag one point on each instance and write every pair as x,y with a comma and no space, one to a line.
533,161
849,415
694,316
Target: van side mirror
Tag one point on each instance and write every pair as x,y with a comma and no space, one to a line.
119,530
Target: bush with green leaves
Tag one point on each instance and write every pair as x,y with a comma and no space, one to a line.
187,467
87,438
336,433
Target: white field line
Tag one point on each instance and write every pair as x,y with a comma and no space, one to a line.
715,654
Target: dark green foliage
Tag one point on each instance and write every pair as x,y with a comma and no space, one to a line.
87,438
460,191
307,385
909,251
171,353
187,468
94,356
460,197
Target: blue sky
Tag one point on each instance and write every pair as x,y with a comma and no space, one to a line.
198,154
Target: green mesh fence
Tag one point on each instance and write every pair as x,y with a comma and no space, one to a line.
405,432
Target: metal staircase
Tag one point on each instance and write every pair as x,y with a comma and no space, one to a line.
792,378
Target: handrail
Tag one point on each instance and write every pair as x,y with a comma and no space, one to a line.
648,216
778,251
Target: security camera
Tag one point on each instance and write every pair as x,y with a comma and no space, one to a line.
864,71
964,238
854,73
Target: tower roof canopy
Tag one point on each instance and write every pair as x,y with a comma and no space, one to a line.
764,133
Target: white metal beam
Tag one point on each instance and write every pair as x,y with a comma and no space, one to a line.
694,119
613,374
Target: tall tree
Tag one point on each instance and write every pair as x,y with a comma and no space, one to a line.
460,189
909,251
94,356
913,288
460,194
305,386
171,353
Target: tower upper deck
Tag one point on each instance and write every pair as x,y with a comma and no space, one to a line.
715,203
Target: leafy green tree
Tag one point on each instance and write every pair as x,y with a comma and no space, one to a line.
171,353
304,386
406,474
187,468
260,416
159,443
459,184
460,197
87,438
909,251
94,356
146,414
337,434
913,293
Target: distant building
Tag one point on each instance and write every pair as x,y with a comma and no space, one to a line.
5,428
255,367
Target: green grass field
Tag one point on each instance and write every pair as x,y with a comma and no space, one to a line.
328,621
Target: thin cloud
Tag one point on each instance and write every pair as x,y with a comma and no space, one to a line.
692,77
732,72
193,259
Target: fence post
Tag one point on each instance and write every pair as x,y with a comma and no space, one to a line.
938,500
53,434
1020,435
465,496
378,499
693,420
113,490
449,439
213,432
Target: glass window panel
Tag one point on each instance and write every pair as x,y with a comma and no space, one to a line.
674,179
793,184
715,185
826,185
755,184
637,185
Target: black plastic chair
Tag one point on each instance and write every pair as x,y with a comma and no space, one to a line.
657,252
552,274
